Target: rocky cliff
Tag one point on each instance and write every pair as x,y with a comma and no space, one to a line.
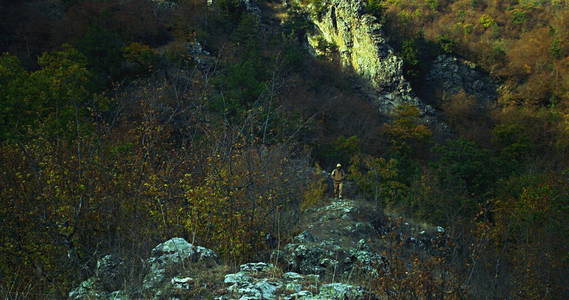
343,29
451,75
360,42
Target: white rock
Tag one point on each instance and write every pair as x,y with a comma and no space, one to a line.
237,278
292,276
267,289
182,283
256,267
341,291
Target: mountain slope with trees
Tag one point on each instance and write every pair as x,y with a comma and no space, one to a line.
125,123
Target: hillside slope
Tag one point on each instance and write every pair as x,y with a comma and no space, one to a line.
338,255
124,123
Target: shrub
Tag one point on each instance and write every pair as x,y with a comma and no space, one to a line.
316,191
340,150
325,47
465,167
530,234
468,117
410,56
318,7
446,44
519,16
487,21
378,179
241,198
406,132
102,48
142,55
375,8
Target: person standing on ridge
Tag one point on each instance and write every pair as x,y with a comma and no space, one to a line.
338,178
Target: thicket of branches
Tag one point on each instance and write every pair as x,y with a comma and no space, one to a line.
114,137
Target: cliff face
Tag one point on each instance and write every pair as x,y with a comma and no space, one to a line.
361,46
450,75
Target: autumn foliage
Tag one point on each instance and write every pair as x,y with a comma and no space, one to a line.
525,43
114,136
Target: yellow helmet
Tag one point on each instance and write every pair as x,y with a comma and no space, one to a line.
338,165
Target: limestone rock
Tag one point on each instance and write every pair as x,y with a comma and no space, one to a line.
171,254
451,75
327,257
105,283
335,245
88,289
203,58
259,281
176,250
252,7
182,283
110,271
342,291
252,282
165,277
362,46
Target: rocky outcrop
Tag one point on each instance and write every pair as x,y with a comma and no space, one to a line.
172,254
339,247
171,273
264,281
105,283
203,59
451,75
362,46
165,273
337,242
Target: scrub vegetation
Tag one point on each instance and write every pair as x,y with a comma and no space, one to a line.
123,124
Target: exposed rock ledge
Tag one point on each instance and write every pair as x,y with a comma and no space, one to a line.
322,262
362,46
168,278
336,253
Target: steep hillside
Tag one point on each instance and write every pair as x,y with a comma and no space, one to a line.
125,123
522,43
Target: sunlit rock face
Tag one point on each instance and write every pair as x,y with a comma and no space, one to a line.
360,43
